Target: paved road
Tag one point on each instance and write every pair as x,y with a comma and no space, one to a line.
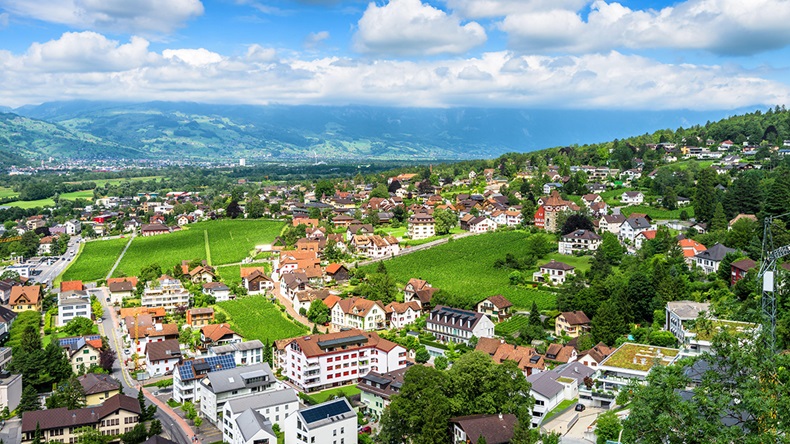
174,427
424,246
11,433
50,272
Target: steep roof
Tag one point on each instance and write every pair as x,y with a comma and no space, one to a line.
557,265
163,350
63,417
499,301
215,332
31,294
715,253
744,264
71,286
575,317
317,345
93,383
402,307
495,429
488,345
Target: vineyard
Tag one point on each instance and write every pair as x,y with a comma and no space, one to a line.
95,260
232,240
255,317
167,250
465,268
511,326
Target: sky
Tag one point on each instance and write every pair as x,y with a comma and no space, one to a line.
578,54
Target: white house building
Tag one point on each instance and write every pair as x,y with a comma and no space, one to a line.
316,362
243,353
165,292
188,375
73,227
73,304
217,388
421,226
401,314
632,226
456,325
332,422
584,241
218,290
632,198
161,358
553,272
710,259
359,313
274,406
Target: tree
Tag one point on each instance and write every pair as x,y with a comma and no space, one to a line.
107,359
481,440
29,400
608,427
89,435
608,323
147,413
150,272
29,244
318,312
137,435
611,247
69,394
539,245
725,268
422,356
446,220
325,188
440,362
379,287
421,409
670,200
233,210
534,315
719,220
155,428
576,222
705,195
380,191
79,326
256,208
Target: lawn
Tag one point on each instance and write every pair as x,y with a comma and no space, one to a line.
7,192
612,197
397,232
84,194
326,395
167,250
565,404
95,260
231,274
254,317
231,241
640,357
465,268
582,263
25,204
658,213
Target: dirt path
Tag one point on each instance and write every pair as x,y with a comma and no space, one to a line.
208,247
115,265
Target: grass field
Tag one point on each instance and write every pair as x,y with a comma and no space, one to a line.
229,241
231,274
95,260
167,250
101,182
658,213
465,267
32,203
582,263
84,194
7,192
254,317
326,395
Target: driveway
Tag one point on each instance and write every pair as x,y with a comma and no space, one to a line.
574,434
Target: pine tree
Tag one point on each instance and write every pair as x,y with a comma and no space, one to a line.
29,400
534,315
608,323
705,196
719,221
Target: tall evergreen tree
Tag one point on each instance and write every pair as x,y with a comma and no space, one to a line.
534,315
608,323
719,221
705,195
29,400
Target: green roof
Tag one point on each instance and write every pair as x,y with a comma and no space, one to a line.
640,357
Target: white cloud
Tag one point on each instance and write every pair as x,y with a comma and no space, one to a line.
409,27
501,8
731,27
89,66
139,16
315,38
3,20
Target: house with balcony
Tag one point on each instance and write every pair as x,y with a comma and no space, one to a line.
583,241
553,273
627,363
198,317
401,314
376,390
693,326
219,387
496,307
73,304
571,323
359,313
243,353
449,324
237,424
165,292
317,362
187,375
632,226
710,259
421,226
420,291
161,358
332,422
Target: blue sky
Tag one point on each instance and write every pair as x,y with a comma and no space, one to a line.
601,54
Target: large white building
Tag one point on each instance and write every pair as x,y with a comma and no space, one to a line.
422,226
274,406
187,375
456,325
244,353
73,304
217,388
321,361
359,313
333,422
165,292
583,241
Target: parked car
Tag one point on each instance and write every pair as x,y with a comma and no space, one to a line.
580,407
365,429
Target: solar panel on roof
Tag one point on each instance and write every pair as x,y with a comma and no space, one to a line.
342,341
326,410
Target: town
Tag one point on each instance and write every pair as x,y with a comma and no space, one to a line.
540,297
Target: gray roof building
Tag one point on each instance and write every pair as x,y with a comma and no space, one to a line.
253,376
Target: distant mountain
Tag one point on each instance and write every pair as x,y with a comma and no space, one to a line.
203,131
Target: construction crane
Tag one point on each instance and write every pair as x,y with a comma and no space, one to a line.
767,274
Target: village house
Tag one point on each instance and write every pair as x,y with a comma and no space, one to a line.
553,273
374,246
583,241
187,375
25,298
249,419
142,330
571,323
98,388
632,226
401,314
121,288
491,429
73,304
336,359
739,269
165,292
198,317
376,390
549,210
255,280
594,356
219,387
218,334
243,353
337,273
202,274
153,229
691,249
420,291
359,313
331,422
527,359
632,198
710,259
641,239
219,291
495,307
481,224
455,325
82,351
421,226
161,358
117,415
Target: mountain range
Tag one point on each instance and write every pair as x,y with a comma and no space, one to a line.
180,130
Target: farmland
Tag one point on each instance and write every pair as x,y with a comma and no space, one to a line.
511,326
7,192
254,317
465,268
25,204
95,260
85,194
166,250
231,241
658,213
